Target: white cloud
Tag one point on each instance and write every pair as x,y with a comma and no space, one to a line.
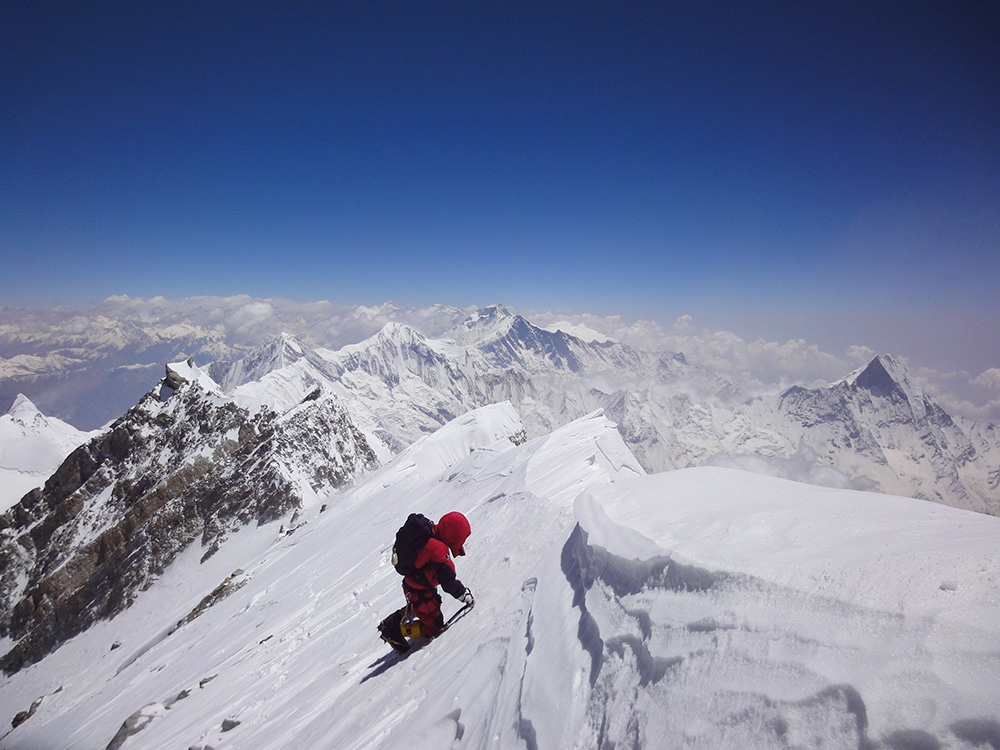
76,325
989,379
961,394
860,354
249,316
754,365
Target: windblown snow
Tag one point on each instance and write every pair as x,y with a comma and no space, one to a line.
700,608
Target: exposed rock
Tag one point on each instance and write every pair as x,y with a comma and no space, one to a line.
167,474
236,580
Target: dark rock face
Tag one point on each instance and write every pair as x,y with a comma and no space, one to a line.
167,474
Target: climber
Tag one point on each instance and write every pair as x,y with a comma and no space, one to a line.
422,555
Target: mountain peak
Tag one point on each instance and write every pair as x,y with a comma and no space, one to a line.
884,376
489,317
882,373
396,331
178,373
486,323
497,311
284,348
277,352
22,408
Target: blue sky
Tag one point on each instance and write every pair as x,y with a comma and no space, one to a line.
827,171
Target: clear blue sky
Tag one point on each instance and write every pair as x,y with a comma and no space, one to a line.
825,170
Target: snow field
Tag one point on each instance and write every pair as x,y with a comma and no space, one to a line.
704,608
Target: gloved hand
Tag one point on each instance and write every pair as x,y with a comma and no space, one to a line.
467,599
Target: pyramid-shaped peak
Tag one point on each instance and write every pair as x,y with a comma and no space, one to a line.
884,371
22,408
278,351
874,376
884,375
396,331
285,344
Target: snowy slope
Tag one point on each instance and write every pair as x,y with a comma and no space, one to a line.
184,467
32,446
705,608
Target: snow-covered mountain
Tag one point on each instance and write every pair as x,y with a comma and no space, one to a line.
703,608
32,446
551,377
873,430
878,427
186,465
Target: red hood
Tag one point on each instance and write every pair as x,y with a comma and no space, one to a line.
453,529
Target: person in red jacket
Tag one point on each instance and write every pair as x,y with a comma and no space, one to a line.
434,567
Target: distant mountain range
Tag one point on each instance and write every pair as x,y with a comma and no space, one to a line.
274,433
873,430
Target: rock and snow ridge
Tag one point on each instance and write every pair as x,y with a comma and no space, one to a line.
703,608
186,466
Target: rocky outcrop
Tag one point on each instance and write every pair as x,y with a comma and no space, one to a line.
170,473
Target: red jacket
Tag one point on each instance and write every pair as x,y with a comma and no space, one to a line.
434,560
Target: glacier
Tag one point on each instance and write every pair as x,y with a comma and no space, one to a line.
704,608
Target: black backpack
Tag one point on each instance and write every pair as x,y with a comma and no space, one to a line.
410,539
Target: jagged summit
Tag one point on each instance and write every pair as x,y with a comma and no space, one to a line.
508,340
485,323
178,373
490,315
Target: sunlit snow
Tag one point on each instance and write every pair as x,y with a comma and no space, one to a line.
702,608
32,446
